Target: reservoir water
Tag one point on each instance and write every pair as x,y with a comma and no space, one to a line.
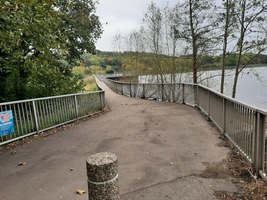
251,86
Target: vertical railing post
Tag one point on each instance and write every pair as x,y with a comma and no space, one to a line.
254,137
131,95
263,150
208,104
35,116
183,92
76,106
162,91
173,92
197,103
135,86
111,84
116,85
144,91
224,116
102,96
196,96
259,142
104,99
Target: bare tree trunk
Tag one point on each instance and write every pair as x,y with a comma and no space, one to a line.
252,17
225,42
194,46
240,45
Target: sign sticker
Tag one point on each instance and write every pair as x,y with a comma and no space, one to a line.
6,123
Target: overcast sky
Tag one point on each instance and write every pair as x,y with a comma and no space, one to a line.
121,16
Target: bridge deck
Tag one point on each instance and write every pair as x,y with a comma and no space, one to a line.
161,147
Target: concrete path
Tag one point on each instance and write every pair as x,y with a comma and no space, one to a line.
162,148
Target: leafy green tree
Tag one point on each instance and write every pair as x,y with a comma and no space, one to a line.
27,35
33,43
49,81
80,26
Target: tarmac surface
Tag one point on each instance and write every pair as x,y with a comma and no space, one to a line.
162,149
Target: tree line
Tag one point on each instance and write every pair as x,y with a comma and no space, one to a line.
37,39
199,30
99,63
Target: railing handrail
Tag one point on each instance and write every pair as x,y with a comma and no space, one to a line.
122,82
50,97
253,107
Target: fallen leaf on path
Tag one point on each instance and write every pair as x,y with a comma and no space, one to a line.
13,152
22,163
80,192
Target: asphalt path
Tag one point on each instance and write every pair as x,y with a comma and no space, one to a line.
162,149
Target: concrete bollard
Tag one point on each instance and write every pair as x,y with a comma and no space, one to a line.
103,177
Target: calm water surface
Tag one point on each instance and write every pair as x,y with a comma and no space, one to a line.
251,87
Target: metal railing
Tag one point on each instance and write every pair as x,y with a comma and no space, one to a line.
37,115
176,92
243,125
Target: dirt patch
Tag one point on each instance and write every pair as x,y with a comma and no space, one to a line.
11,146
217,170
238,170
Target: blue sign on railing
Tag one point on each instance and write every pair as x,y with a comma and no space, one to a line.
6,123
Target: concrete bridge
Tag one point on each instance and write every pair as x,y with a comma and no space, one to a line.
163,149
